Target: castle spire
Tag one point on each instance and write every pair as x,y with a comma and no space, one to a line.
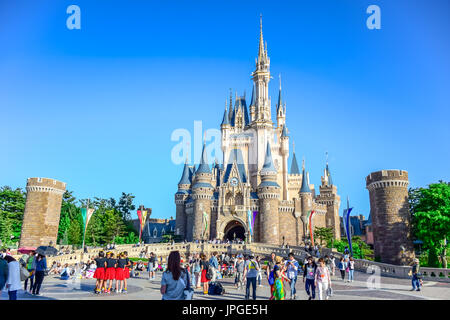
225,120
294,165
261,51
280,102
230,112
305,187
327,172
203,167
186,174
268,162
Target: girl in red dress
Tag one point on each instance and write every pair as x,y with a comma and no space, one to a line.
120,272
100,272
110,270
128,267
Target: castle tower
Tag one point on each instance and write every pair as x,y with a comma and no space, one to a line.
202,191
42,212
305,199
329,197
389,209
284,151
269,195
180,200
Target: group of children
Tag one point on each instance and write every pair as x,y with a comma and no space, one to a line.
110,269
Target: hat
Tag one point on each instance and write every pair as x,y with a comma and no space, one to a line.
278,259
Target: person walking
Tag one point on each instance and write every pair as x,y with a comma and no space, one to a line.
342,268
239,266
322,279
41,267
333,265
292,267
196,270
351,269
259,276
270,273
250,272
415,272
13,282
31,266
214,265
151,266
278,286
309,273
175,279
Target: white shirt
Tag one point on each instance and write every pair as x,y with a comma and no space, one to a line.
13,276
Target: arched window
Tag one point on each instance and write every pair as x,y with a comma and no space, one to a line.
155,233
163,232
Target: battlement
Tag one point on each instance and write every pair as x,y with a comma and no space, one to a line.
386,176
46,182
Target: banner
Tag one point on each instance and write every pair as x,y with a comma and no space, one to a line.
250,222
144,219
311,213
255,213
139,213
205,223
347,227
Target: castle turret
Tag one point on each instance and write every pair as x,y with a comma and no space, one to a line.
180,200
202,191
389,210
269,195
305,198
281,110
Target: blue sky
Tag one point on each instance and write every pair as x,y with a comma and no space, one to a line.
96,107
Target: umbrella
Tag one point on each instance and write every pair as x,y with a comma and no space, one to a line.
47,251
26,250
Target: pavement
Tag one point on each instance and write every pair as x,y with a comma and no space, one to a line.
365,287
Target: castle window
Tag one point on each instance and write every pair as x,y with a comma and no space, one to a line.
163,232
155,233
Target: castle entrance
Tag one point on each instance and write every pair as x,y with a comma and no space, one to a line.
234,230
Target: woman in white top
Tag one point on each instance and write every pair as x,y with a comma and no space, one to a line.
13,283
322,279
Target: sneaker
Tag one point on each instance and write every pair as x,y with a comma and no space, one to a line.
38,294
309,298
418,289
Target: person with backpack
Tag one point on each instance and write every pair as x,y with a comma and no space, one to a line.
30,266
269,271
415,272
41,268
204,267
322,279
250,273
259,276
214,266
292,267
175,280
309,271
239,266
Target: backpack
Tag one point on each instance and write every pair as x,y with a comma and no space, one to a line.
216,289
209,273
271,279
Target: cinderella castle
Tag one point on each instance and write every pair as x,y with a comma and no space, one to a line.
252,195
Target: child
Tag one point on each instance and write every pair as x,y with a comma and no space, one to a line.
100,272
120,272
128,266
110,270
278,288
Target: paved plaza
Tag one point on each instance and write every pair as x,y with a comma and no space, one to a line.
141,288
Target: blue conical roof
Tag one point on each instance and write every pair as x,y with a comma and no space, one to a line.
185,177
268,163
225,119
294,165
252,101
305,186
284,132
246,117
203,167
330,181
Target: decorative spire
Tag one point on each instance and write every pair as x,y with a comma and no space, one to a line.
225,119
294,165
203,167
284,132
186,174
305,187
268,163
252,101
230,112
328,173
261,52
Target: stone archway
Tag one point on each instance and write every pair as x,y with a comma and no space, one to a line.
234,230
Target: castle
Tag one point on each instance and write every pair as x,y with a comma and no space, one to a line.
251,195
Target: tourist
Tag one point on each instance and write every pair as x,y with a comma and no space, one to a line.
239,266
196,271
250,272
100,272
128,267
269,271
351,269
292,272
54,268
110,271
204,266
333,265
30,265
65,274
41,267
415,272
259,276
151,266
214,265
309,272
278,286
4,270
322,279
342,266
175,279
13,282
120,272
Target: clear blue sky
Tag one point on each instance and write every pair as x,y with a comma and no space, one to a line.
96,107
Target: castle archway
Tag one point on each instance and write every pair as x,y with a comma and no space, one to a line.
234,230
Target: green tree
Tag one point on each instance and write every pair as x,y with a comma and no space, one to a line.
430,208
324,234
12,207
113,225
126,205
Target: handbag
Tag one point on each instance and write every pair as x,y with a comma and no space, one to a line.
188,291
24,274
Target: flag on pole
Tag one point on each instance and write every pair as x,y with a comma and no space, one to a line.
139,213
347,227
311,233
255,213
205,223
144,219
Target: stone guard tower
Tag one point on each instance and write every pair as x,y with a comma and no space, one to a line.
389,209
42,211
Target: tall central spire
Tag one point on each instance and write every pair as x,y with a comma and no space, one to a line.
261,40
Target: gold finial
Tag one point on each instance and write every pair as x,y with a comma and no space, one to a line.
280,80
